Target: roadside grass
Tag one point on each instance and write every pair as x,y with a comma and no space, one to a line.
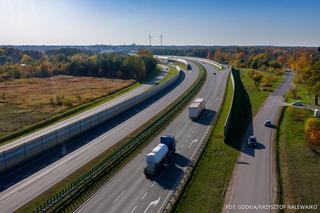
210,178
181,65
22,121
172,72
30,206
300,94
298,166
257,93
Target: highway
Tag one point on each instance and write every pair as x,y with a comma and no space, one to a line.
92,144
253,181
142,88
130,191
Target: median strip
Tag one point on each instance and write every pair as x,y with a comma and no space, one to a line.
75,189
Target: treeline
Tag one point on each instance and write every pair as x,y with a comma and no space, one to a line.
263,58
15,64
306,65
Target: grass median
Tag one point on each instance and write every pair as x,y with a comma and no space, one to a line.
298,167
69,204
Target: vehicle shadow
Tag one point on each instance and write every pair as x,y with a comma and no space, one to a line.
241,123
171,175
13,176
206,117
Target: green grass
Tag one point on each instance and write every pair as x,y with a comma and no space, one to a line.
299,166
210,179
181,65
257,93
172,72
302,94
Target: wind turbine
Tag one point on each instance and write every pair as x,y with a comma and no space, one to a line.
161,37
150,39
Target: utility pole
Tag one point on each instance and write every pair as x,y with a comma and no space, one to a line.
161,37
150,39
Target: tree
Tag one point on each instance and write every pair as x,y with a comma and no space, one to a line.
25,59
312,132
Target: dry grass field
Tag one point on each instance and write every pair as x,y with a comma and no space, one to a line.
24,102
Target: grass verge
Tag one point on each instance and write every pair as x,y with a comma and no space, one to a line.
299,93
298,167
69,205
172,72
258,94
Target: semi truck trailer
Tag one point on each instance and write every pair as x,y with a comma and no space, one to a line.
196,108
160,155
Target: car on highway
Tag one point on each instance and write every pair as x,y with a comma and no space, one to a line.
252,141
268,123
297,103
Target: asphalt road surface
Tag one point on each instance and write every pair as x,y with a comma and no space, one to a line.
92,145
253,181
141,89
130,191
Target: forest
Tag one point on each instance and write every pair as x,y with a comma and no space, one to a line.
16,64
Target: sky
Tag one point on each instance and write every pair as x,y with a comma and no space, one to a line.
182,22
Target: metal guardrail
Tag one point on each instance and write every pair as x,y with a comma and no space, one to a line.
187,174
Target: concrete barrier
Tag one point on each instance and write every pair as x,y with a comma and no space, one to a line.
227,122
216,64
23,152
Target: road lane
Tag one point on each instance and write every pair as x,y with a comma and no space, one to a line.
254,179
22,192
187,133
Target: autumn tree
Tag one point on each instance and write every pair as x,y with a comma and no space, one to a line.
312,132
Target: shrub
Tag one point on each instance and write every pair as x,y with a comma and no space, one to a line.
267,81
256,76
312,132
297,114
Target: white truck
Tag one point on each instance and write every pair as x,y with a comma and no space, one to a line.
196,108
159,155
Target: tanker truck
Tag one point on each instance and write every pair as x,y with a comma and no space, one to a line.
160,155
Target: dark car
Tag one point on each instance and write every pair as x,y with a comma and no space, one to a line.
268,123
297,103
252,141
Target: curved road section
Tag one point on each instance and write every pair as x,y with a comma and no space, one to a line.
130,191
27,189
253,184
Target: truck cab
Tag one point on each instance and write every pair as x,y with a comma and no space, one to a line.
170,142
